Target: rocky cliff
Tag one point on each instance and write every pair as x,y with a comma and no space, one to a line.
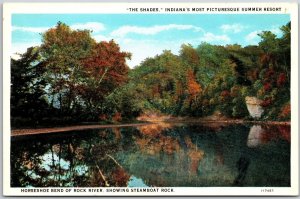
254,107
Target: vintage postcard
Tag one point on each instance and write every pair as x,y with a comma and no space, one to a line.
150,99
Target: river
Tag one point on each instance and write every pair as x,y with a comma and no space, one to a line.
155,155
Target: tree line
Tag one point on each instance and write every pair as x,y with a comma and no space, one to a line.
72,78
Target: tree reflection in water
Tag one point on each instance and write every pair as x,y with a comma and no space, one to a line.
242,166
68,160
154,155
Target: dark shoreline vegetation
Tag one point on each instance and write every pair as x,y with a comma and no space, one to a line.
72,79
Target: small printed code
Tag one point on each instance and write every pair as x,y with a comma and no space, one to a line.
267,190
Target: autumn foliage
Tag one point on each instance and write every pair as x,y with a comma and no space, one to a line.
117,117
75,78
192,86
107,62
285,111
281,79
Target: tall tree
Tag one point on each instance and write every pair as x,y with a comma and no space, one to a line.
28,85
105,69
63,50
193,88
189,56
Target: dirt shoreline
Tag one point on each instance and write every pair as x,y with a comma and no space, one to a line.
22,132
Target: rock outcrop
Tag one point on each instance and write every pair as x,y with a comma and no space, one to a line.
254,107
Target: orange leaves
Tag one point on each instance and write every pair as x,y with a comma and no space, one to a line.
108,62
195,155
153,140
164,144
117,117
265,59
170,145
82,67
154,130
117,133
285,111
192,86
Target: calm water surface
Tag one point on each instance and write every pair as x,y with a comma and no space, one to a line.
155,155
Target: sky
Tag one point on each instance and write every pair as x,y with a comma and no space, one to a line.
146,35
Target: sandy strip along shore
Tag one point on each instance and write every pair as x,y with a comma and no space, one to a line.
20,132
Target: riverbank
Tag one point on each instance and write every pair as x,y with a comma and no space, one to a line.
215,118
21,132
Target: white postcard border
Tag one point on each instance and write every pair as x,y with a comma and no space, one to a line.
122,8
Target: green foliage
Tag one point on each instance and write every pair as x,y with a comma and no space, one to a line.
125,100
62,50
72,76
28,87
224,76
